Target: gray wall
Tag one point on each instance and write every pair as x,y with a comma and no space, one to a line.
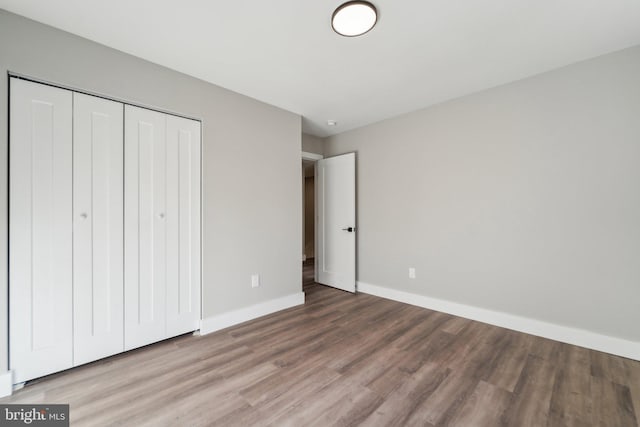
312,144
523,199
246,215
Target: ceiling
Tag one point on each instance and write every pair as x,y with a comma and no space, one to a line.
283,52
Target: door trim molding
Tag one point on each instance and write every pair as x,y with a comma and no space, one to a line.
311,156
553,331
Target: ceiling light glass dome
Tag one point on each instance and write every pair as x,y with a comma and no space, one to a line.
354,18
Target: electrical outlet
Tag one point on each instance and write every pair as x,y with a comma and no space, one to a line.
255,280
412,273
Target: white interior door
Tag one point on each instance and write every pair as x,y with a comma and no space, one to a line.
183,225
336,222
98,310
40,230
145,227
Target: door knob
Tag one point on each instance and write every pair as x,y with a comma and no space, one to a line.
161,215
83,215
349,229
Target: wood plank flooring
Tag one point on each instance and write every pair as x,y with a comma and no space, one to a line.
345,359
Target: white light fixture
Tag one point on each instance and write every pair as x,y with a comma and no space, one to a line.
332,123
354,18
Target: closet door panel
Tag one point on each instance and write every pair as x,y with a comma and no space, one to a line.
145,227
98,228
40,230
183,225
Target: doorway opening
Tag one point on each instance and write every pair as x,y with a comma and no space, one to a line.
308,219
331,223
308,266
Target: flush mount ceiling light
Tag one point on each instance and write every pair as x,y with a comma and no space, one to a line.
354,18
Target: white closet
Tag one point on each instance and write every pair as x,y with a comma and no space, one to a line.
104,228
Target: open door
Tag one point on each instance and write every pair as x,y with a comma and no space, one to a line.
336,222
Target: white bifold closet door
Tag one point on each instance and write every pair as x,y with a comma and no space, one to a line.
162,226
40,230
98,308
183,225
104,228
145,227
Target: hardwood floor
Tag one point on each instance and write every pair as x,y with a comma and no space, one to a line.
345,359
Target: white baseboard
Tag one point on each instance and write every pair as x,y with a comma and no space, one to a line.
225,320
569,335
6,384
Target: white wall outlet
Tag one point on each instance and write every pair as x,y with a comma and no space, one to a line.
255,280
412,273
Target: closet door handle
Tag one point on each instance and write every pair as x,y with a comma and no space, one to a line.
161,215
84,215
